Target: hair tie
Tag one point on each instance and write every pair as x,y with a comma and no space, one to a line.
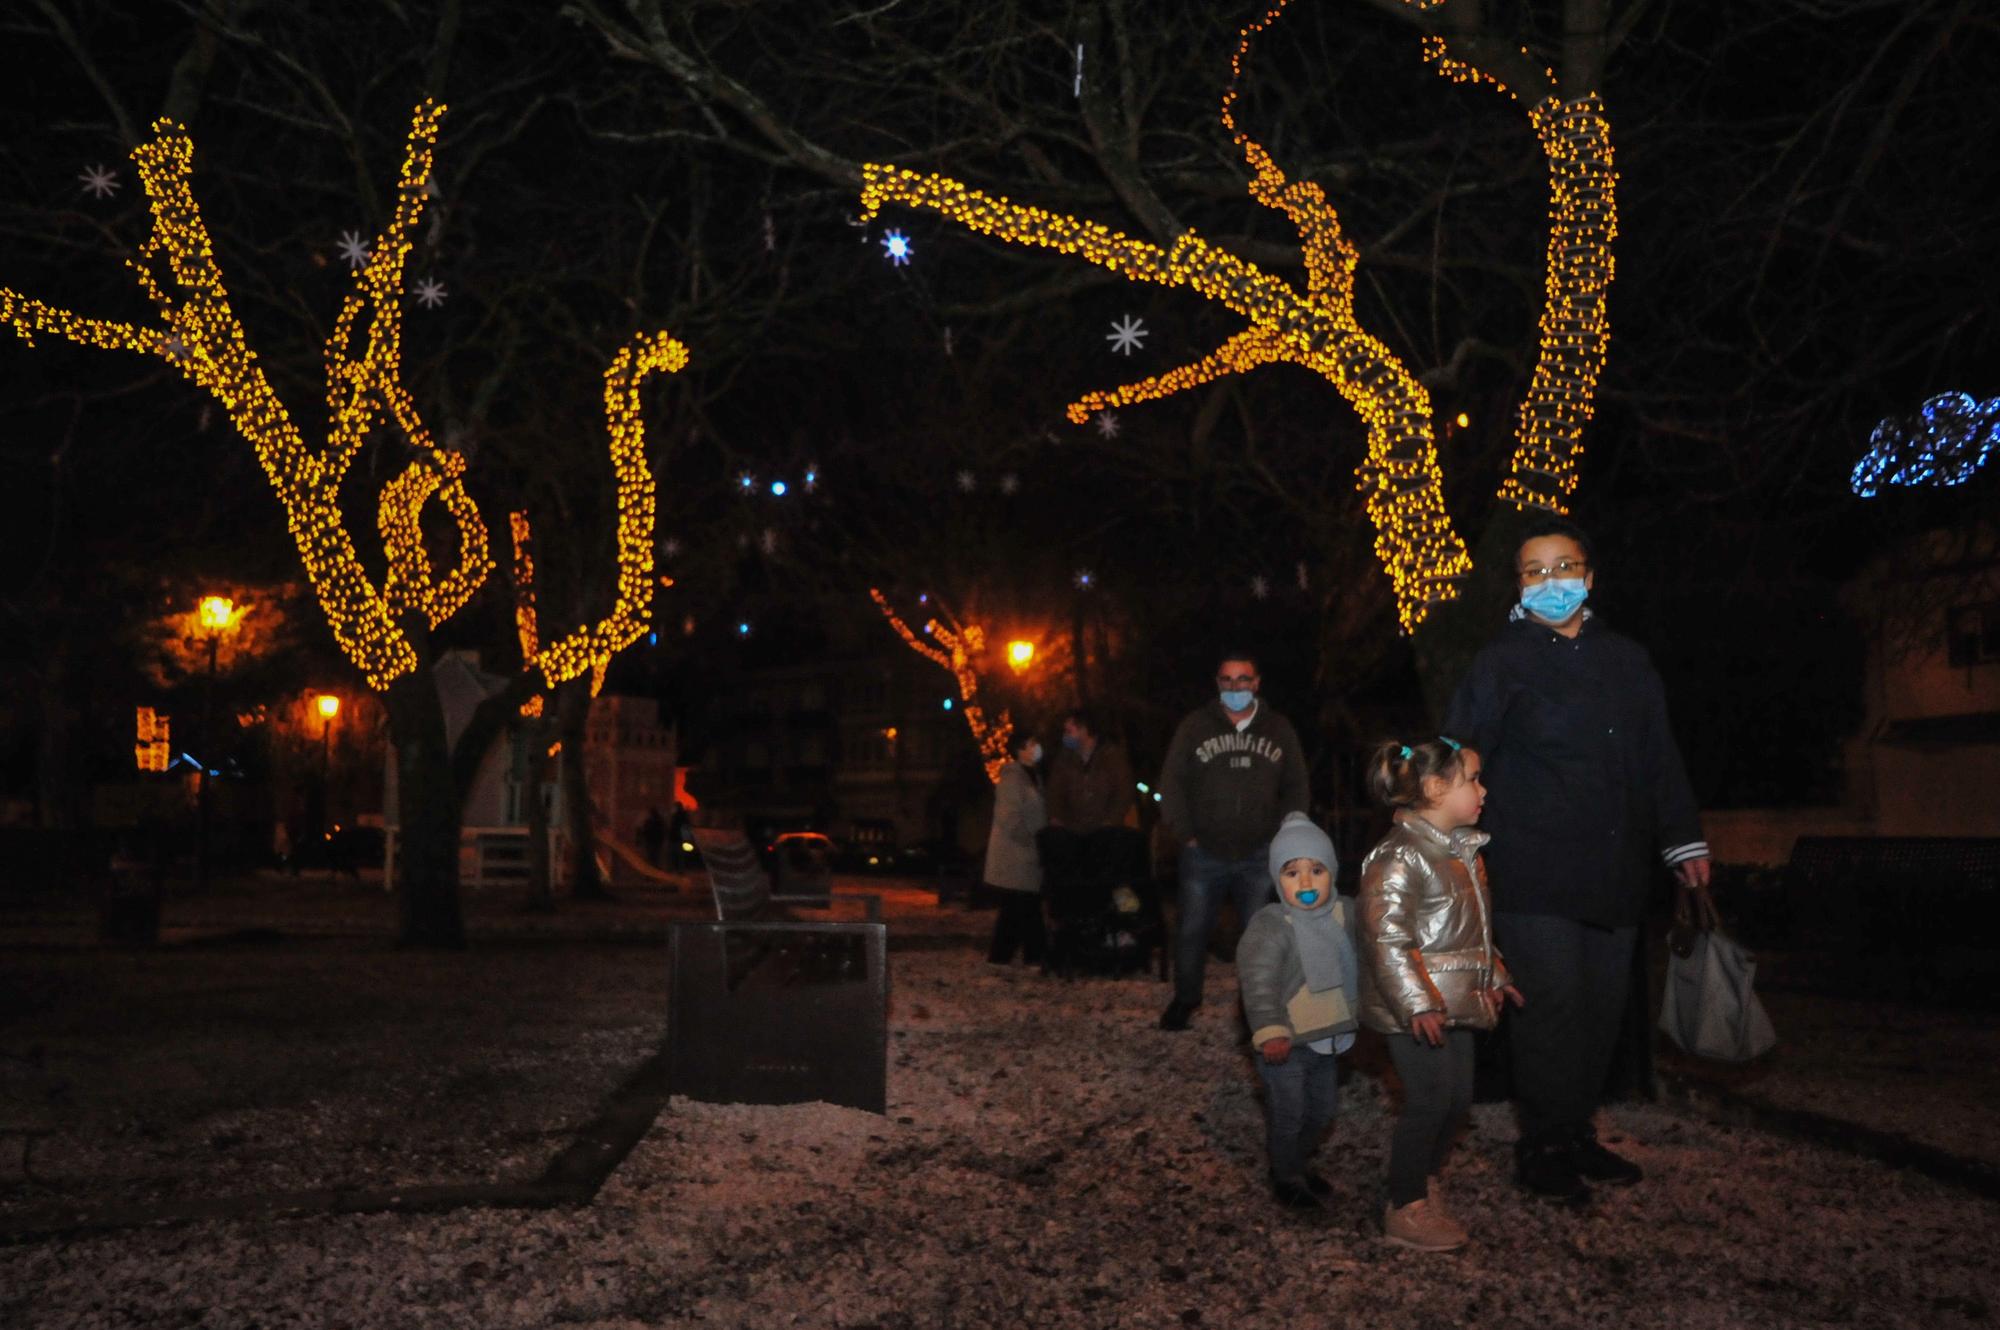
1450,742
1406,753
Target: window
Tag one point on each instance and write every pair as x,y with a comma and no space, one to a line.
1972,634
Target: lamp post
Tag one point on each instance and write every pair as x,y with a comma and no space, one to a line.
1020,654
328,706
216,615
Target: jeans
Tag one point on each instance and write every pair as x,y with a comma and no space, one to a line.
1437,1096
1574,977
1204,878
1301,1095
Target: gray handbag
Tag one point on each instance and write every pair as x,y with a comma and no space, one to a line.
1710,1009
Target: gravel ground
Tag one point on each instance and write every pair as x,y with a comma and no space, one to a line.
1048,1159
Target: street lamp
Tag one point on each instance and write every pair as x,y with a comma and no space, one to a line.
217,617
328,706
1020,654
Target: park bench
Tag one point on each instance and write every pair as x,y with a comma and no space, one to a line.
766,1009
743,890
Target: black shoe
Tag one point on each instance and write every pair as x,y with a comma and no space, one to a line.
1293,1196
1546,1170
1316,1184
1594,1162
1175,1017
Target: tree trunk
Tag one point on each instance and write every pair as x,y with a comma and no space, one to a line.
541,894
1452,633
427,817
572,725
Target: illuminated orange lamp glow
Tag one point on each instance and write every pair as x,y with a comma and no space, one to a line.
1020,654
217,613
328,706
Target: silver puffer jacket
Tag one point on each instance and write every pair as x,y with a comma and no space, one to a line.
1426,925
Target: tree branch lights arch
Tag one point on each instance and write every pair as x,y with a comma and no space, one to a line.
1415,541
958,647
201,336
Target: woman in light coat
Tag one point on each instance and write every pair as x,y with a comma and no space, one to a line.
1013,866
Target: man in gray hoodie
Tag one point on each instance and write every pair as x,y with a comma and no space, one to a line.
1233,771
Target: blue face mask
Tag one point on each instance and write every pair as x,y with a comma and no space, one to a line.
1237,699
1308,897
1555,600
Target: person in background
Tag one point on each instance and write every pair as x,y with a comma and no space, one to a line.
1232,772
1090,780
1013,866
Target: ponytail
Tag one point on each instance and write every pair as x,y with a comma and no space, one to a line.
1397,771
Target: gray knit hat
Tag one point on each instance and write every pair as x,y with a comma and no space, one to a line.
1299,838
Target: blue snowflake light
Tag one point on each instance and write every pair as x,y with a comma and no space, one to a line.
1948,439
778,489
896,248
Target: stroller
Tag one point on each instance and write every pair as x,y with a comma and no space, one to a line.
1103,911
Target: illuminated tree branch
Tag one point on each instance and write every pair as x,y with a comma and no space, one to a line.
958,648
1317,329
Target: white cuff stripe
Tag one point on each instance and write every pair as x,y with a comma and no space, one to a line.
1682,853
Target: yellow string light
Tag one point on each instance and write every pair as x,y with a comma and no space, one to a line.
1575,328
591,647
524,601
201,336
1423,555
958,649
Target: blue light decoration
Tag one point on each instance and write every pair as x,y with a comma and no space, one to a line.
652,639
746,482
777,489
743,628
947,704
812,479
896,248
1948,439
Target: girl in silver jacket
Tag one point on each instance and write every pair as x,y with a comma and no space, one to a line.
1430,975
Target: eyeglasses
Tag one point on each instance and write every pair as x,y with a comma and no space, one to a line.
1560,568
1238,680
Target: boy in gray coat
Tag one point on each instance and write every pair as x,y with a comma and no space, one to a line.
1300,984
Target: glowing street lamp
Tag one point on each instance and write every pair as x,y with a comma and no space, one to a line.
217,616
1020,654
328,706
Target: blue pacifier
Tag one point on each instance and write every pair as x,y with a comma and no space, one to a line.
1308,898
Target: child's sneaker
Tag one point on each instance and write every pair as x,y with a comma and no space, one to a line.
1422,1226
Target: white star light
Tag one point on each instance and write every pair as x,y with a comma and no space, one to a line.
896,248
1107,424
670,547
1127,335
768,542
353,249
430,293
1260,588
967,482
99,182
1009,483
1302,576
1084,579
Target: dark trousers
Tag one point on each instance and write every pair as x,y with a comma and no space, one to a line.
1205,881
1574,977
1437,1096
1018,928
1301,1095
